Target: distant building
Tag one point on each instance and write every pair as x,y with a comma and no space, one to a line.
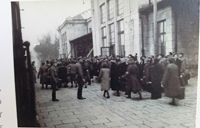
71,29
123,27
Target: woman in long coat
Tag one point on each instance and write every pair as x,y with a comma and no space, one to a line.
156,78
104,77
132,81
171,82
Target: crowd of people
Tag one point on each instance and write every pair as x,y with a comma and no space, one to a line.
126,74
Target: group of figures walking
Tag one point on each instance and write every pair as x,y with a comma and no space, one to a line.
153,74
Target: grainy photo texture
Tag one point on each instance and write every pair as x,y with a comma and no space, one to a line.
106,63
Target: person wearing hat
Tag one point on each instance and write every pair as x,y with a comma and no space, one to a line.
42,73
184,74
132,79
146,73
114,75
156,78
162,60
54,80
122,70
170,81
104,77
80,78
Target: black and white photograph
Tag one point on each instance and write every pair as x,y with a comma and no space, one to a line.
105,63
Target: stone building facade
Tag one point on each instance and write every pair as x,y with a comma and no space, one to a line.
72,28
123,27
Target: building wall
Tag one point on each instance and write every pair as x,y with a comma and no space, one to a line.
187,31
131,26
188,37
187,28
162,14
73,31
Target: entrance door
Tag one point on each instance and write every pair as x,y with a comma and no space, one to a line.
105,51
112,49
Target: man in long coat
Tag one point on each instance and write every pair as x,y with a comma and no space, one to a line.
87,71
156,78
80,78
42,73
171,82
71,68
132,81
54,80
114,74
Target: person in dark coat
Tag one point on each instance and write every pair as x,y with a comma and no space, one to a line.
114,75
34,72
156,78
63,72
162,60
98,66
42,74
171,82
184,79
146,74
48,76
122,70
80,78
54,80
132,81
141,66
71,68
87,71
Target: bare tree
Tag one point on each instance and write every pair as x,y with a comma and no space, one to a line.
47,49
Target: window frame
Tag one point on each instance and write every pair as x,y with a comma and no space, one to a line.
120,7
103,13
112,31
110,9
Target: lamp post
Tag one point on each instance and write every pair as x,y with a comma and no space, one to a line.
155,26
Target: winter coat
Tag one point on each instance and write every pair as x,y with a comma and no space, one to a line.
114,74
43,73
104,77
34,73
147,72
156,77
178,63
132,81
171,82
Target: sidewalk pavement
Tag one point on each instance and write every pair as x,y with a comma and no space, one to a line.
116,112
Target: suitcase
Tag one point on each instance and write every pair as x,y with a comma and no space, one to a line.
182,95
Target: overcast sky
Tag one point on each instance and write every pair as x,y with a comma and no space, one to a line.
41,17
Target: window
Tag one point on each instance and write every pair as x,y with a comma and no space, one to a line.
161,37
120,7
112,34
121,37
103,13
90,29
63,37
104,41
110,9
64,44
105,51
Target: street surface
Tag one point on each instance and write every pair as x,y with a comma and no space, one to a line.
116,112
